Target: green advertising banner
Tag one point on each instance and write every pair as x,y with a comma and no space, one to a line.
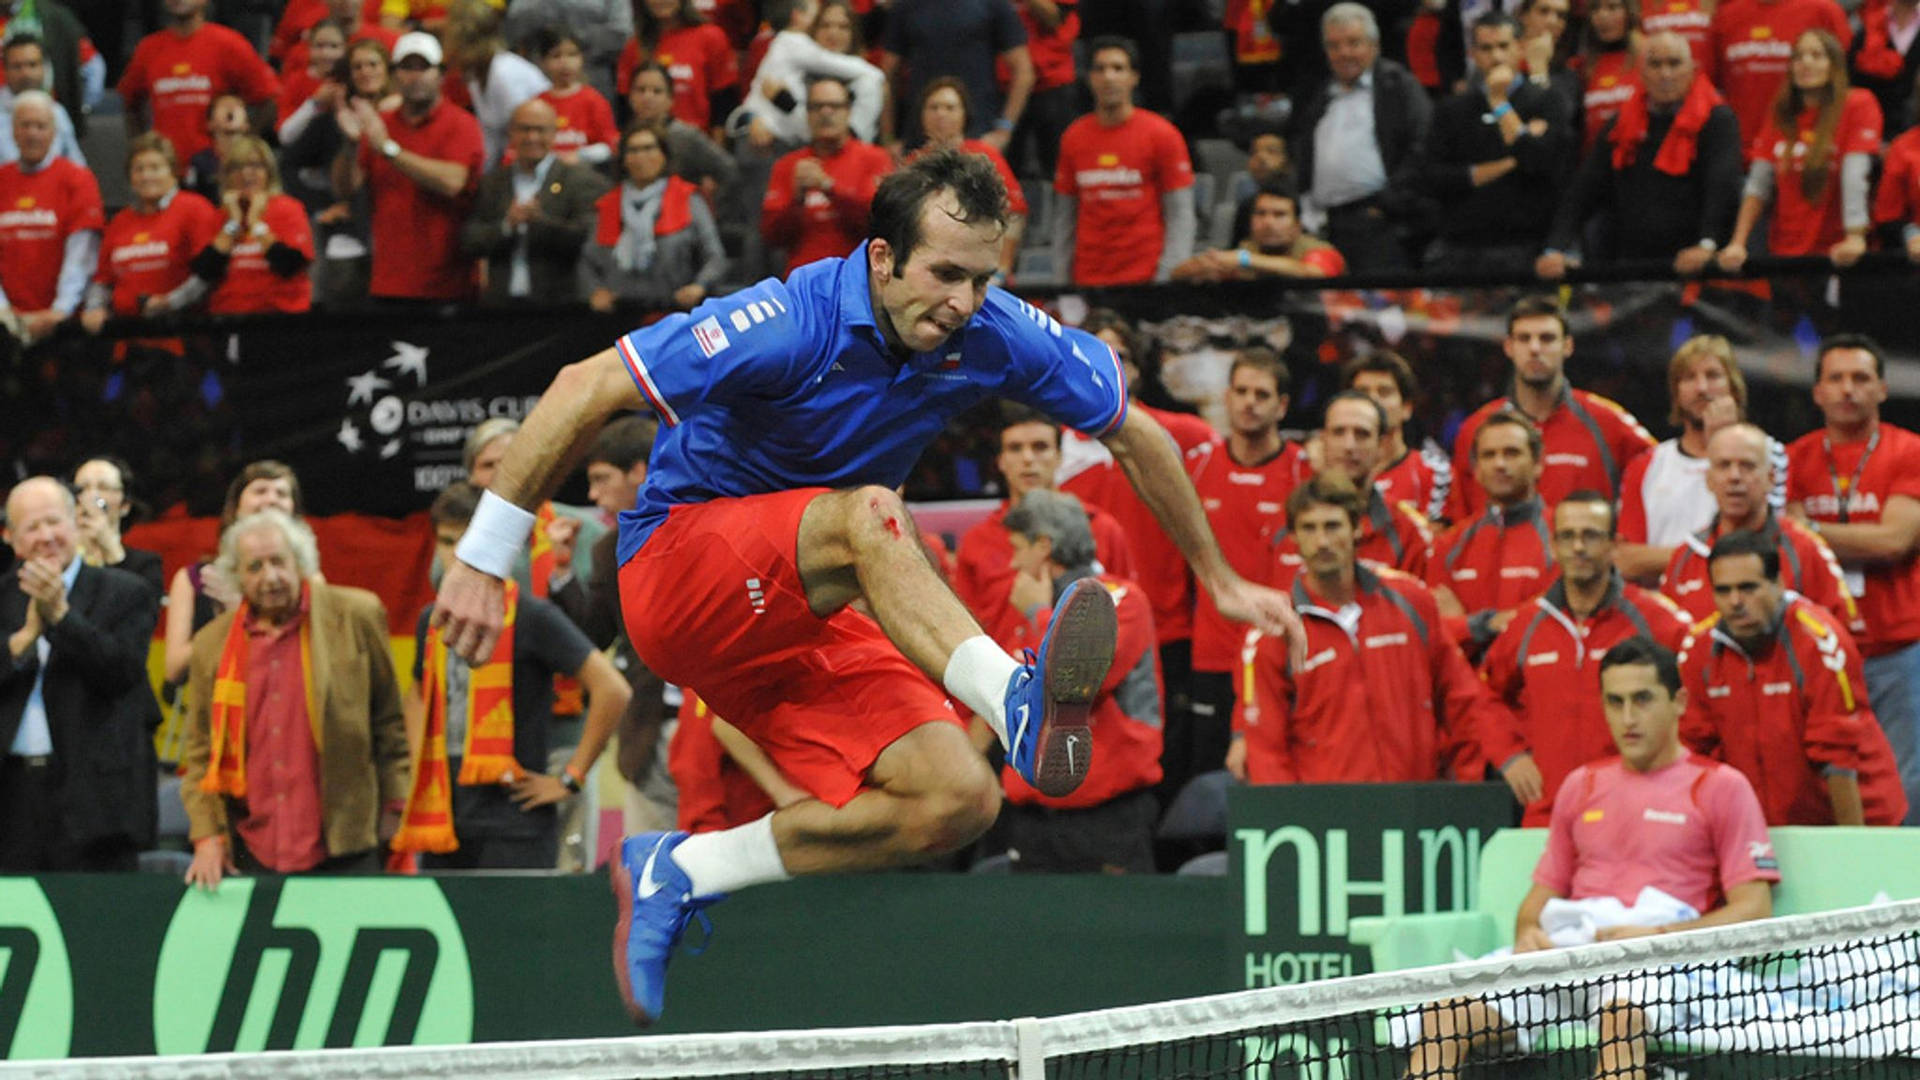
1306,858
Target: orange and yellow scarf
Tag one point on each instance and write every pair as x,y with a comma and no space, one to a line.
227,757
569,699
487,756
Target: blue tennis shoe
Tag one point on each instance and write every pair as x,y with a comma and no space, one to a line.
1050,701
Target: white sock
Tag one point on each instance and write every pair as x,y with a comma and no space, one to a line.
719,862
978,674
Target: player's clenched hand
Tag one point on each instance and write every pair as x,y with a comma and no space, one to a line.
469,611
1266,610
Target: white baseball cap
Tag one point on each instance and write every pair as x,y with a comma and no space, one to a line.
417,43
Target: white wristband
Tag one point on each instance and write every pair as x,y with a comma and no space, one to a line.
495,537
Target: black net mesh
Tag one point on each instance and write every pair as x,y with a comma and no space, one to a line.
1849,1009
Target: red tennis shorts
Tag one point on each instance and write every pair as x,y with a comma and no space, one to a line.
713,602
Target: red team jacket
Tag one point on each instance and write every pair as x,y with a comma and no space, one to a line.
1545,668
1788,715
983,571
1807,566
1126,718
1089,473
1497,561
1246,506
1388,699
1392,534
1588,442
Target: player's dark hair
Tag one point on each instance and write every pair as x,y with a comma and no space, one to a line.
1328,489
1279,187
903,196
1114,41
1642,651
1510,418
1387,362
1851,341
623,443
1262,359
456,505
1534,307
1747,542
1379,414
1589,495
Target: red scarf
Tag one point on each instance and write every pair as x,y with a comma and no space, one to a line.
1877,56
1682,143
676,211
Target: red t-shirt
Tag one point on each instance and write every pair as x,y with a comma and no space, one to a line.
416,233
250,284
585,119
1246,505
823,223
699,59
38,211
1118,174
1819,475
1050,50
1752,42
1898,198
1692,829
1802,226
1688,18
1610,83
145,255
182,76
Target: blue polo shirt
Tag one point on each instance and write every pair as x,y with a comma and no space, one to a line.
791,385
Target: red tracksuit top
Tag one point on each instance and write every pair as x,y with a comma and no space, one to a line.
1788,715
1545,668
1387,699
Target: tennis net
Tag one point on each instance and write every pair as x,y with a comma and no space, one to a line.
1831,994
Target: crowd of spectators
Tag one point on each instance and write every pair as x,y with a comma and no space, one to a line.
1525,138
653,154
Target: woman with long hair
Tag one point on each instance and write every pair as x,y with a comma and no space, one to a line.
342,226
1812,161
1608,62
705,68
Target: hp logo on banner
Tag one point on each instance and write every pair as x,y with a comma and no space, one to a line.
36,981
309,963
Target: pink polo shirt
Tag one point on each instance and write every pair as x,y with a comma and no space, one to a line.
1692,829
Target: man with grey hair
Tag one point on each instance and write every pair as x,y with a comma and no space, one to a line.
77,775
1106,825
296,754
570,532
50,224
25,61
1358,142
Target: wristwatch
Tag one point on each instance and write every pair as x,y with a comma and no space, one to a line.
569,781
389,149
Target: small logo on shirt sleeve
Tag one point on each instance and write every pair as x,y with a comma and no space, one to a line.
1762,854
710,337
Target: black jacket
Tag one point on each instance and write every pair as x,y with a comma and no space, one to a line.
565,197
1518,207
1650,214
1402,116
99,705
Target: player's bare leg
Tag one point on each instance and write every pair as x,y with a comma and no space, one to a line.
932,794
1623,1042
1449,1032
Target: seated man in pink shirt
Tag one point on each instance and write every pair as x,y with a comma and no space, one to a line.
1655,818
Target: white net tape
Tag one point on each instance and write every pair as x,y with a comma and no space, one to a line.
1884,933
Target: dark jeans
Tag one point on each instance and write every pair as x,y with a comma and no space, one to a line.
1035,149
31,838
1111,838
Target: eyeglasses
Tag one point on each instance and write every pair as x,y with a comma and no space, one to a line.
826,106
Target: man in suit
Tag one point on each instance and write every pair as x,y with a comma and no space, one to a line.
296,755
77,781
533,215
1358,141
